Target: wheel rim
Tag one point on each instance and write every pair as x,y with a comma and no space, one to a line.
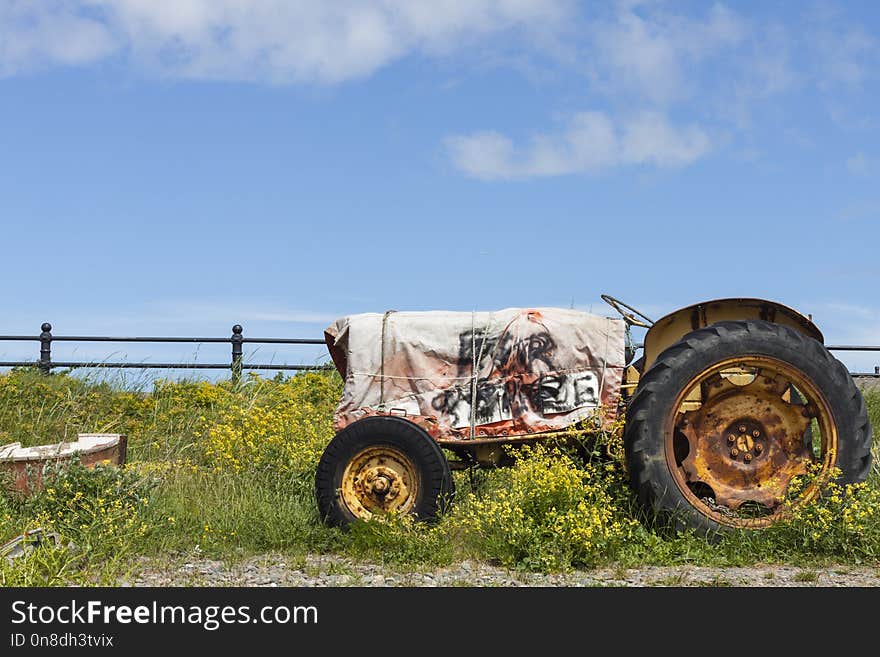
379,480
741,431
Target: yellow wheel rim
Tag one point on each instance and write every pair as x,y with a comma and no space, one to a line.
741,431
379,480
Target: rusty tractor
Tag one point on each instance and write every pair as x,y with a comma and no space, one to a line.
729,401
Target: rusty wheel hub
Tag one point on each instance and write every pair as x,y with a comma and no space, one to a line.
746,439
379,480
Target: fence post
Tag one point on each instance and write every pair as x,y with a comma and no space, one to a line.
45,363
876,369
237,339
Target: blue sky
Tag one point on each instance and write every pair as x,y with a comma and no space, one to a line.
176,167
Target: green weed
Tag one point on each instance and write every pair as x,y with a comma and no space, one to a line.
229,470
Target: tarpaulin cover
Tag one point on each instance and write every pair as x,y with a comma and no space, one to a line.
538,369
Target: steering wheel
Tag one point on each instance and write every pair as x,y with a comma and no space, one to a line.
632,317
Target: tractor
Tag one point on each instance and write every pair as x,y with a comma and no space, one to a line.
727,403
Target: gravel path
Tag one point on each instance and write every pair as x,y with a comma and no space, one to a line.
330,570
867,383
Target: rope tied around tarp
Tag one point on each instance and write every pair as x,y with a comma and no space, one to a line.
608,320
382,361
475,366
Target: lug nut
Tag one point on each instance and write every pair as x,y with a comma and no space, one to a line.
742,428
731,438
747,457
756,433
759,448
734,452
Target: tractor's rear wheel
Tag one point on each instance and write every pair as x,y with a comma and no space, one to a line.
726,419
378,466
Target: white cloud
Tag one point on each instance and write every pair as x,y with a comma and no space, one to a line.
647,60
860,211
643,60
174,317
859,164
34,34
651,54
842,54
278,41
592,142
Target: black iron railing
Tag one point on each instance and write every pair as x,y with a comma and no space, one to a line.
236,365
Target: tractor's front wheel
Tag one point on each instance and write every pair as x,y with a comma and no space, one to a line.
741,421
382,465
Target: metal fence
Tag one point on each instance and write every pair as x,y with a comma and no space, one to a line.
236,364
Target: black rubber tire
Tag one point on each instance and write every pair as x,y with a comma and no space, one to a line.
436,487
660,386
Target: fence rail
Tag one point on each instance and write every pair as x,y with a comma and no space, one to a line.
236,365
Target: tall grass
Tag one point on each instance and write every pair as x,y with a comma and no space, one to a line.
228,471
872,401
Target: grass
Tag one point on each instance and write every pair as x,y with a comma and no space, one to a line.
227,471
677,579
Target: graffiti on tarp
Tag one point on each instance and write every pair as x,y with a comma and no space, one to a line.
505,354
560,393
517,377
509,372
493,403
